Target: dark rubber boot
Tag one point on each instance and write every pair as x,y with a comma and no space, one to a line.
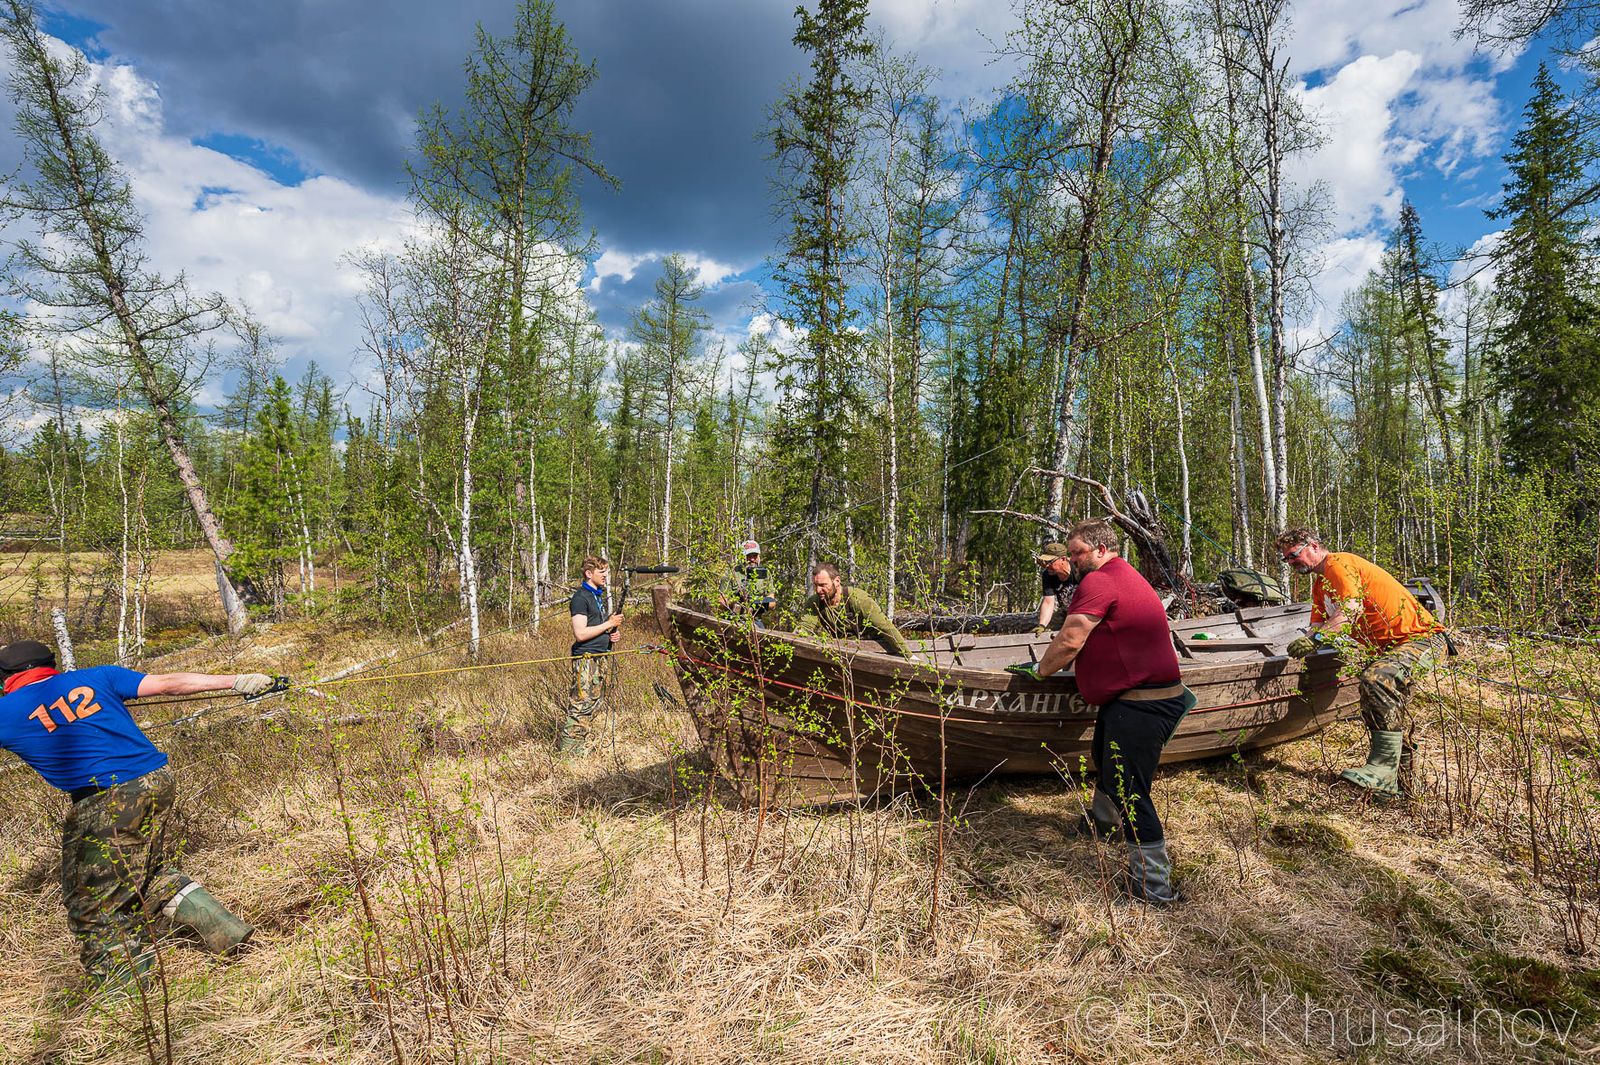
219,930
1101,820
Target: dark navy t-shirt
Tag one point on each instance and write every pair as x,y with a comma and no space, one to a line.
1051,585
74,729
586,602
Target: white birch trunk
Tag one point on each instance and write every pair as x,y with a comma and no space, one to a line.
536,527
122,557
469,568
65,657
894,435
1186,562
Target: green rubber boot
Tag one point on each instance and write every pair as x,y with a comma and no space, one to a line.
219,930
123,978
1381,774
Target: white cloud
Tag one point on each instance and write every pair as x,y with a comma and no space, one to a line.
709,271
234,229
623,265
1327,34
1337,266
1359,160
958,38
618,264
1457,115
1395,91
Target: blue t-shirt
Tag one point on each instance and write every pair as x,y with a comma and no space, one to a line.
74,729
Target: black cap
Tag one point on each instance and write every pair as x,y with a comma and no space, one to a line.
24,654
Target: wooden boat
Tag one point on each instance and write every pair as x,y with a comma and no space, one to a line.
792,718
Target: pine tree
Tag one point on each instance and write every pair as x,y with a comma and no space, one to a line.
1546,357
1411,270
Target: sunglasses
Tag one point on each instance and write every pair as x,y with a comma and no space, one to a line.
1291,556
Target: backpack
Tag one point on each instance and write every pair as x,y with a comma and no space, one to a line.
1248,587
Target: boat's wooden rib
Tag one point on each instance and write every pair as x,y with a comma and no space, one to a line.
806,719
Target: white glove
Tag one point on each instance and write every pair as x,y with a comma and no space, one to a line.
251,683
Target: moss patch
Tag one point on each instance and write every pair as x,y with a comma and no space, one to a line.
1309,834
1416,975
1513,982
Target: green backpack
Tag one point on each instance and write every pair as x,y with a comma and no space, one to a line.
1248,587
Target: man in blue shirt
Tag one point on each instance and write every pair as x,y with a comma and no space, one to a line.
594,629
75,731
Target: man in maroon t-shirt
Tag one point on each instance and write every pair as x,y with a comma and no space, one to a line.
1117,635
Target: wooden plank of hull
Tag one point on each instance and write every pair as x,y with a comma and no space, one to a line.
772,711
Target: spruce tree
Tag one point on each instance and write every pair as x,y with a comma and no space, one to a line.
817,126
1546,356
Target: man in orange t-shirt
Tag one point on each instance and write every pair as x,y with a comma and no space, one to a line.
1351,595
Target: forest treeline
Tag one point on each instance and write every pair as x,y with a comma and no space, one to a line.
1100,273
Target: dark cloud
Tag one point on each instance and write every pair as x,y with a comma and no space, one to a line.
728,306
676,112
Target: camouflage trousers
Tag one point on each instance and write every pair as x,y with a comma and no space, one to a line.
114,880
1386,681
586,695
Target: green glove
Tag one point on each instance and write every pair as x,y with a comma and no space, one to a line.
1040,630
1025,669
1302,647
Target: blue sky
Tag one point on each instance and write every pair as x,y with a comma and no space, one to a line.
266,142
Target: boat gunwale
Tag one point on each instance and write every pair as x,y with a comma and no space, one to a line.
969,678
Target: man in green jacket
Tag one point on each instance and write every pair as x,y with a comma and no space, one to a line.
847,613
749,589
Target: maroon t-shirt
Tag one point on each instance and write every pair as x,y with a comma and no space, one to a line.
1132,645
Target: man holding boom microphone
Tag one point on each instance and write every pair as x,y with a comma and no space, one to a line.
594,630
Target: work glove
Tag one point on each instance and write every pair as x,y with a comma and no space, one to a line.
1302,646
1040,630
1025,669
252,683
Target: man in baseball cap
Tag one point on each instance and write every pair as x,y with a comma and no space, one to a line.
749,589
75,731
1057,582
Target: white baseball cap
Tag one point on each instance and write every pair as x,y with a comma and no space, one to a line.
750,547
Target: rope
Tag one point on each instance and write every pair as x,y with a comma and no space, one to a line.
647,649
1525,691
363,671
360,679
791,531
1194,527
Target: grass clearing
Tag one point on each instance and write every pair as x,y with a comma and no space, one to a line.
431,884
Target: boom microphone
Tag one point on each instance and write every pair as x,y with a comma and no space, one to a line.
651,569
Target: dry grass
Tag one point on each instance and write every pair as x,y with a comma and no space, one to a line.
430,884
186,575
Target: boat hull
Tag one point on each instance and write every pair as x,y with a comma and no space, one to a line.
796,719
